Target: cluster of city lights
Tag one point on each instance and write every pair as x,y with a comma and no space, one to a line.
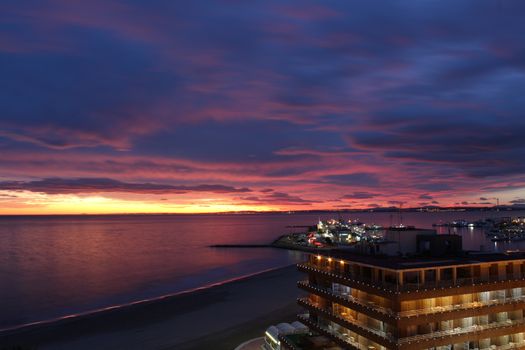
319,257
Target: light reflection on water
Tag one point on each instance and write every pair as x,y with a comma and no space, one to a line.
52,266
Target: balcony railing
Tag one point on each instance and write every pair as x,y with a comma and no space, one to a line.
414,338
386,287
408,286
348,298
349,320
347,340
508,346
464,306
459,330
410,313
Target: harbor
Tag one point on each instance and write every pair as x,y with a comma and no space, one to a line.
354,233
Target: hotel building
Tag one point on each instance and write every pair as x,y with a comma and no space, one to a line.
437,297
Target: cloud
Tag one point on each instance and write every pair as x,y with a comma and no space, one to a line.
475,143
396,203
355,179
436,187
302,98
278,198
100,185
359,195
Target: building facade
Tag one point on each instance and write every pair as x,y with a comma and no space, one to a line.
471,301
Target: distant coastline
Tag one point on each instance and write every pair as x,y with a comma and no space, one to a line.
432,209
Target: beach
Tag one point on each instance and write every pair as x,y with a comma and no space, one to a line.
218,317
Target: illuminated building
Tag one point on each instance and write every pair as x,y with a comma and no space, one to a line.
423,300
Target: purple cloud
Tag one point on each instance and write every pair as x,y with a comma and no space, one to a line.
97,185
360,195
312,100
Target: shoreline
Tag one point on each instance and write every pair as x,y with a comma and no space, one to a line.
251,300
115,308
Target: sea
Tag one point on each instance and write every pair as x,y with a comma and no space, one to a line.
53,267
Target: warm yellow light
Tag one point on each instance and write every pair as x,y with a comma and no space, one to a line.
342,262
40,203
319,257
329,259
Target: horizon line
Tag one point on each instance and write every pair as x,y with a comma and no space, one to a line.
378,209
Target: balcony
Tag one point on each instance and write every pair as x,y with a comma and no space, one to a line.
387,288
366,331
348,299
378,310
461,307
361,328
342,339
393,288
349,342
510,345
460,331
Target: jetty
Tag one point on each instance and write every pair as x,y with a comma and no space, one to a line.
287,241
240,246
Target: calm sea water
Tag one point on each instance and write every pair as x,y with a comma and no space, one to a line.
56,266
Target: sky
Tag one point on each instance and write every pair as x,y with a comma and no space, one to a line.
113,106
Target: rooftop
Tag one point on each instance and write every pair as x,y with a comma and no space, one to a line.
422,261
309,342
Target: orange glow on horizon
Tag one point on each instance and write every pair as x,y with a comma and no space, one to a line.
42,204
35,203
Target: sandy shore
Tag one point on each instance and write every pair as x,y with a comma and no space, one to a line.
220,317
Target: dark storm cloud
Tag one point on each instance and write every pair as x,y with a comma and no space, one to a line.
481,144
96,185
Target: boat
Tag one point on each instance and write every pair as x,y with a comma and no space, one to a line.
500,238
459,223
478,223
455,223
